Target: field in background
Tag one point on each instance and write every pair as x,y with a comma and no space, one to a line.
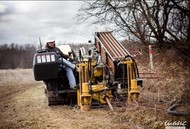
17,77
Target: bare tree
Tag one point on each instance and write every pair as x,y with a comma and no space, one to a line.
21,56
183,15
16,56
162,22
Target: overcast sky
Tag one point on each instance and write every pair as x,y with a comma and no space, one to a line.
25,21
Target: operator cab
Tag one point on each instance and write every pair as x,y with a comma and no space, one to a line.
48,67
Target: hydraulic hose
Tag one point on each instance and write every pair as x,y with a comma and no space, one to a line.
137,71
90,72
171,108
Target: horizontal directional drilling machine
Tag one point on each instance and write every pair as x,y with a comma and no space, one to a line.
107,73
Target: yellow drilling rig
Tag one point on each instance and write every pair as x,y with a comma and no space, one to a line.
106,72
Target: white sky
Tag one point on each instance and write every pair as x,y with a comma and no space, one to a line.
25,21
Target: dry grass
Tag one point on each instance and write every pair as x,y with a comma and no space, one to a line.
23,103
172,86
16,77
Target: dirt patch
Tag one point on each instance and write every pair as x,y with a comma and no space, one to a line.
28,109
24,105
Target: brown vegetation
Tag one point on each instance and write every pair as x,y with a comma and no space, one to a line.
23,102
16,56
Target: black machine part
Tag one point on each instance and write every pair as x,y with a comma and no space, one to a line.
46,65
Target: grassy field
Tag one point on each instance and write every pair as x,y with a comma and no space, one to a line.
23,104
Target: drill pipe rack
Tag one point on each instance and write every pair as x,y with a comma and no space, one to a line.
120,67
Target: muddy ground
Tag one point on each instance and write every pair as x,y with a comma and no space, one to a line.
23,105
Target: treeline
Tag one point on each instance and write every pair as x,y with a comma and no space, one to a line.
16,56
162,23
